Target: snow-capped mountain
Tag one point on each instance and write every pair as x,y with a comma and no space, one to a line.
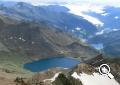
55,15
85,22
106,19
109,33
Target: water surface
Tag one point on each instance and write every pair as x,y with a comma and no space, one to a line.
48,63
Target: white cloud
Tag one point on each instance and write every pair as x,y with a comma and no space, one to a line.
80,9
93,20
102,2
38,2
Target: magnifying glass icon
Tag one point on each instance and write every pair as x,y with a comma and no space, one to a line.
104,69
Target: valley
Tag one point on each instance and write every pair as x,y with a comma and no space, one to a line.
41,45
24,42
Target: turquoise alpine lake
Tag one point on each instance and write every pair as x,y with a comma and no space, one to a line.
45,64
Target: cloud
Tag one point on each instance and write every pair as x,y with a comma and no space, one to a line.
38,2
102,2
82,7
79,7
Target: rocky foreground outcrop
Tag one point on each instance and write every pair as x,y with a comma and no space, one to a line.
82,74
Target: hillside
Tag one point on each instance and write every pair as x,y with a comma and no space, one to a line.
110,42
40,39
25,41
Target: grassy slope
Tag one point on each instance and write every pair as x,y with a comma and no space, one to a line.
12,63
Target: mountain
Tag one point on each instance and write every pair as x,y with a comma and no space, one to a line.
74,76
112,48
38,39
108,34
29,33
67,22
26,41
110,17
61,18
110,42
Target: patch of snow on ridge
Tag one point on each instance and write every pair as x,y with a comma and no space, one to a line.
105,14
73,30
100,32
95,79
75,75
116,17
115,29
77,28
53,78
83,40
107,30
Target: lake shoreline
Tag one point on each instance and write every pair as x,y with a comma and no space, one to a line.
51,62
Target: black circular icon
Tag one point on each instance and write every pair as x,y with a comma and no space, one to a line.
104,69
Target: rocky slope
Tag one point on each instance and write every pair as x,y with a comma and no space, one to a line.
82,74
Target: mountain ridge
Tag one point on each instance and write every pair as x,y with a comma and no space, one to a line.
59,18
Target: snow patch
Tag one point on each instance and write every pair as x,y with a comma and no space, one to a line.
75,75
20,38
83,40
78,29
100,32
95,79
104,14
116,17
53,78
73,30
115,29
107,30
